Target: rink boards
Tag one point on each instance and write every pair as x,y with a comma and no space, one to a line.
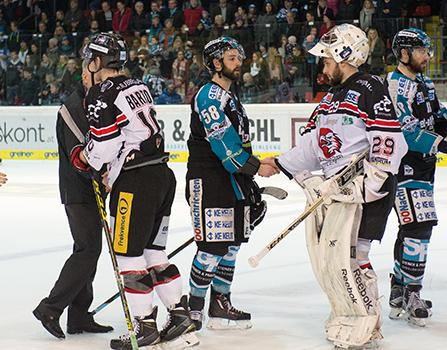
29,133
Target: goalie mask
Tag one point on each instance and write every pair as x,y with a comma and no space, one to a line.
344,43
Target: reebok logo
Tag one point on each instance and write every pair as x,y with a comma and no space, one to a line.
344,275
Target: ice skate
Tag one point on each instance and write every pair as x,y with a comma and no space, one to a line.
416,310
178,332
196,305
224,316
145,331
396,301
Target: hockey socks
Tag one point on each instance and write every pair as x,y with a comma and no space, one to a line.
225,271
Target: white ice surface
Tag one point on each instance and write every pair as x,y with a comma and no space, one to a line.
288,308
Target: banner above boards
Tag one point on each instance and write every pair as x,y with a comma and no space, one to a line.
29,133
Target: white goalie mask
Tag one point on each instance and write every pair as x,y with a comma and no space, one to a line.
343,43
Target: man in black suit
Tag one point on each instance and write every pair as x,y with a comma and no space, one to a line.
73,289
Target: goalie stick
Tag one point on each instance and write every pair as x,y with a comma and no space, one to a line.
354,168
275,192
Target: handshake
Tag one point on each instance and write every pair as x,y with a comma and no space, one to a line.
268,167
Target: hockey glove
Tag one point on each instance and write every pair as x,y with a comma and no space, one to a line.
76,161
363,189
257,213
258,207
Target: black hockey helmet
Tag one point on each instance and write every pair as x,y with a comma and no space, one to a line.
112,48
216,49
410,39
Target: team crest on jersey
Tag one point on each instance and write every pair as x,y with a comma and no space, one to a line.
352,97
218,130
93,109
329,142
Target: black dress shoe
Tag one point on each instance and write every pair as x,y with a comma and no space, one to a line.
90,326
50,323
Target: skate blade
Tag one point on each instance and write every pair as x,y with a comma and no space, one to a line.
215,323
183,342
396,313
419,322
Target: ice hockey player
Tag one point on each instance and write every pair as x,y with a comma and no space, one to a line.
224,201
125,137
356,115
421,115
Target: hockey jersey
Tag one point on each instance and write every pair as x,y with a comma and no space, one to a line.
121,115
353,117
418,110
220,135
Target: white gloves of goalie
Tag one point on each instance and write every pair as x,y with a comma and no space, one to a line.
363,189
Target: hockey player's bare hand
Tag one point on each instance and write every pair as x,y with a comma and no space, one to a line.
3,179
266,170
105,181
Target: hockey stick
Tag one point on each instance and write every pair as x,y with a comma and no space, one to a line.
105,225
275,192
112,298
354,168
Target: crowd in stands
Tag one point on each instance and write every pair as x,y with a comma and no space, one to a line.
41,42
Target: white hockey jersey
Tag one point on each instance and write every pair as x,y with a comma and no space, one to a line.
121,115
351,118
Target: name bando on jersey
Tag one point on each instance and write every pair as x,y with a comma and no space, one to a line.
121,115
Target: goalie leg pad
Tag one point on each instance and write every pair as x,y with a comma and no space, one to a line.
354,315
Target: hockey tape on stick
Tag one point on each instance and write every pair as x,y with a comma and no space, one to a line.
353,169
115,296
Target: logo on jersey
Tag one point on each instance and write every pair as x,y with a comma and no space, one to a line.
93,109
431,95
329,142
212,94
419,98
217,130
327,98
352,97
106,85
383,106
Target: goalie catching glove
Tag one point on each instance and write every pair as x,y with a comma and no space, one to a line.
363,189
